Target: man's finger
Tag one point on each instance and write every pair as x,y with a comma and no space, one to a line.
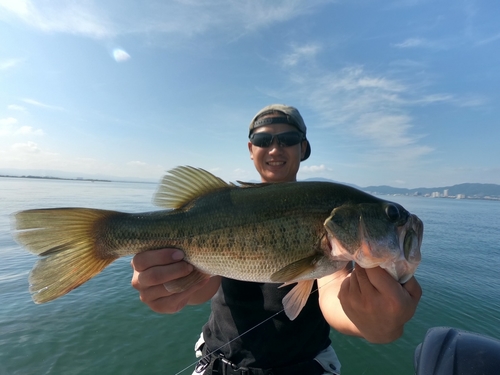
148,259
381,280
164,302
413,288
363,281
162,274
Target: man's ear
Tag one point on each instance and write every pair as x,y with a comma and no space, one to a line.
250,148
303,149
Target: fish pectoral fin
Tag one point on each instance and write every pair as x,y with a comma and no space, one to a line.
296,298
295,270
186,282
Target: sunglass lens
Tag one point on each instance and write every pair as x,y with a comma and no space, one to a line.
289,139
286,139
261,139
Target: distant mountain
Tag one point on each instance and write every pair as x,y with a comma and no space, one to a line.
467,190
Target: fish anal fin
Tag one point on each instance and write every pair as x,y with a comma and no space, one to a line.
295,299
295,270
183,184
186,282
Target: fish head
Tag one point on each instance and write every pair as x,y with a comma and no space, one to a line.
376,234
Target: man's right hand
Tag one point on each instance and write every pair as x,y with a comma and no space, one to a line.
154,267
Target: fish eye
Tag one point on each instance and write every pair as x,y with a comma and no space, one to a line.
392,212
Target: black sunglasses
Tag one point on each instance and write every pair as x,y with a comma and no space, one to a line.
286,139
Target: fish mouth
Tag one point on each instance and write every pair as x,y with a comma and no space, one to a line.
403,267
396,249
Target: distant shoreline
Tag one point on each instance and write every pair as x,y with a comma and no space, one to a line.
58,178
374,190
461,197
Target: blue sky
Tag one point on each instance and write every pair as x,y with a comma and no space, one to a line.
402,93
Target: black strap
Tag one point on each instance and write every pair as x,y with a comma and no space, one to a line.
214,364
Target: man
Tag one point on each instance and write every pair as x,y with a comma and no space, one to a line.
367,303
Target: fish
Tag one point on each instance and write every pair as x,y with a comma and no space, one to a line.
283,233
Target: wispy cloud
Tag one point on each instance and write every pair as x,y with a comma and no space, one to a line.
313,169
26,148
423,43
36,103
26,155
299,53
370,109
183,17
9,127
15,107
65,16
9,63
136,163
411,42
488,40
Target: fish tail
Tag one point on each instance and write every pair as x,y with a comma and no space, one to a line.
65,238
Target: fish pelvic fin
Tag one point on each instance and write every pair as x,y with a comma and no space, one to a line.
295,299
183,184
65,239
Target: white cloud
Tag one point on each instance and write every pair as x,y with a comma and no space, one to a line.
29,155
313,169
106,20
426,43
8,127
298,53
369,112
490,39
411,42
36,103
26,148
28,130
61,16
136,164
15,107
471,101
9,63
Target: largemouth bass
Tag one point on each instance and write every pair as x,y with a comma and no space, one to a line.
275,233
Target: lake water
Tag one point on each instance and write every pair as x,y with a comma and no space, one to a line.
103,328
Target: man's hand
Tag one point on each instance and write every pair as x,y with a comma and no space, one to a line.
377,304
155,267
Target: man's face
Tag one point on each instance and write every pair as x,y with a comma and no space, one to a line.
276,163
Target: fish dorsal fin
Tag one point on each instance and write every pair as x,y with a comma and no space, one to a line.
182,184
295,270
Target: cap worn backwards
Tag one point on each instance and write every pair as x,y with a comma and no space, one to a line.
290,116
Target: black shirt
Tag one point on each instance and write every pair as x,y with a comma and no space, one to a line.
238,306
